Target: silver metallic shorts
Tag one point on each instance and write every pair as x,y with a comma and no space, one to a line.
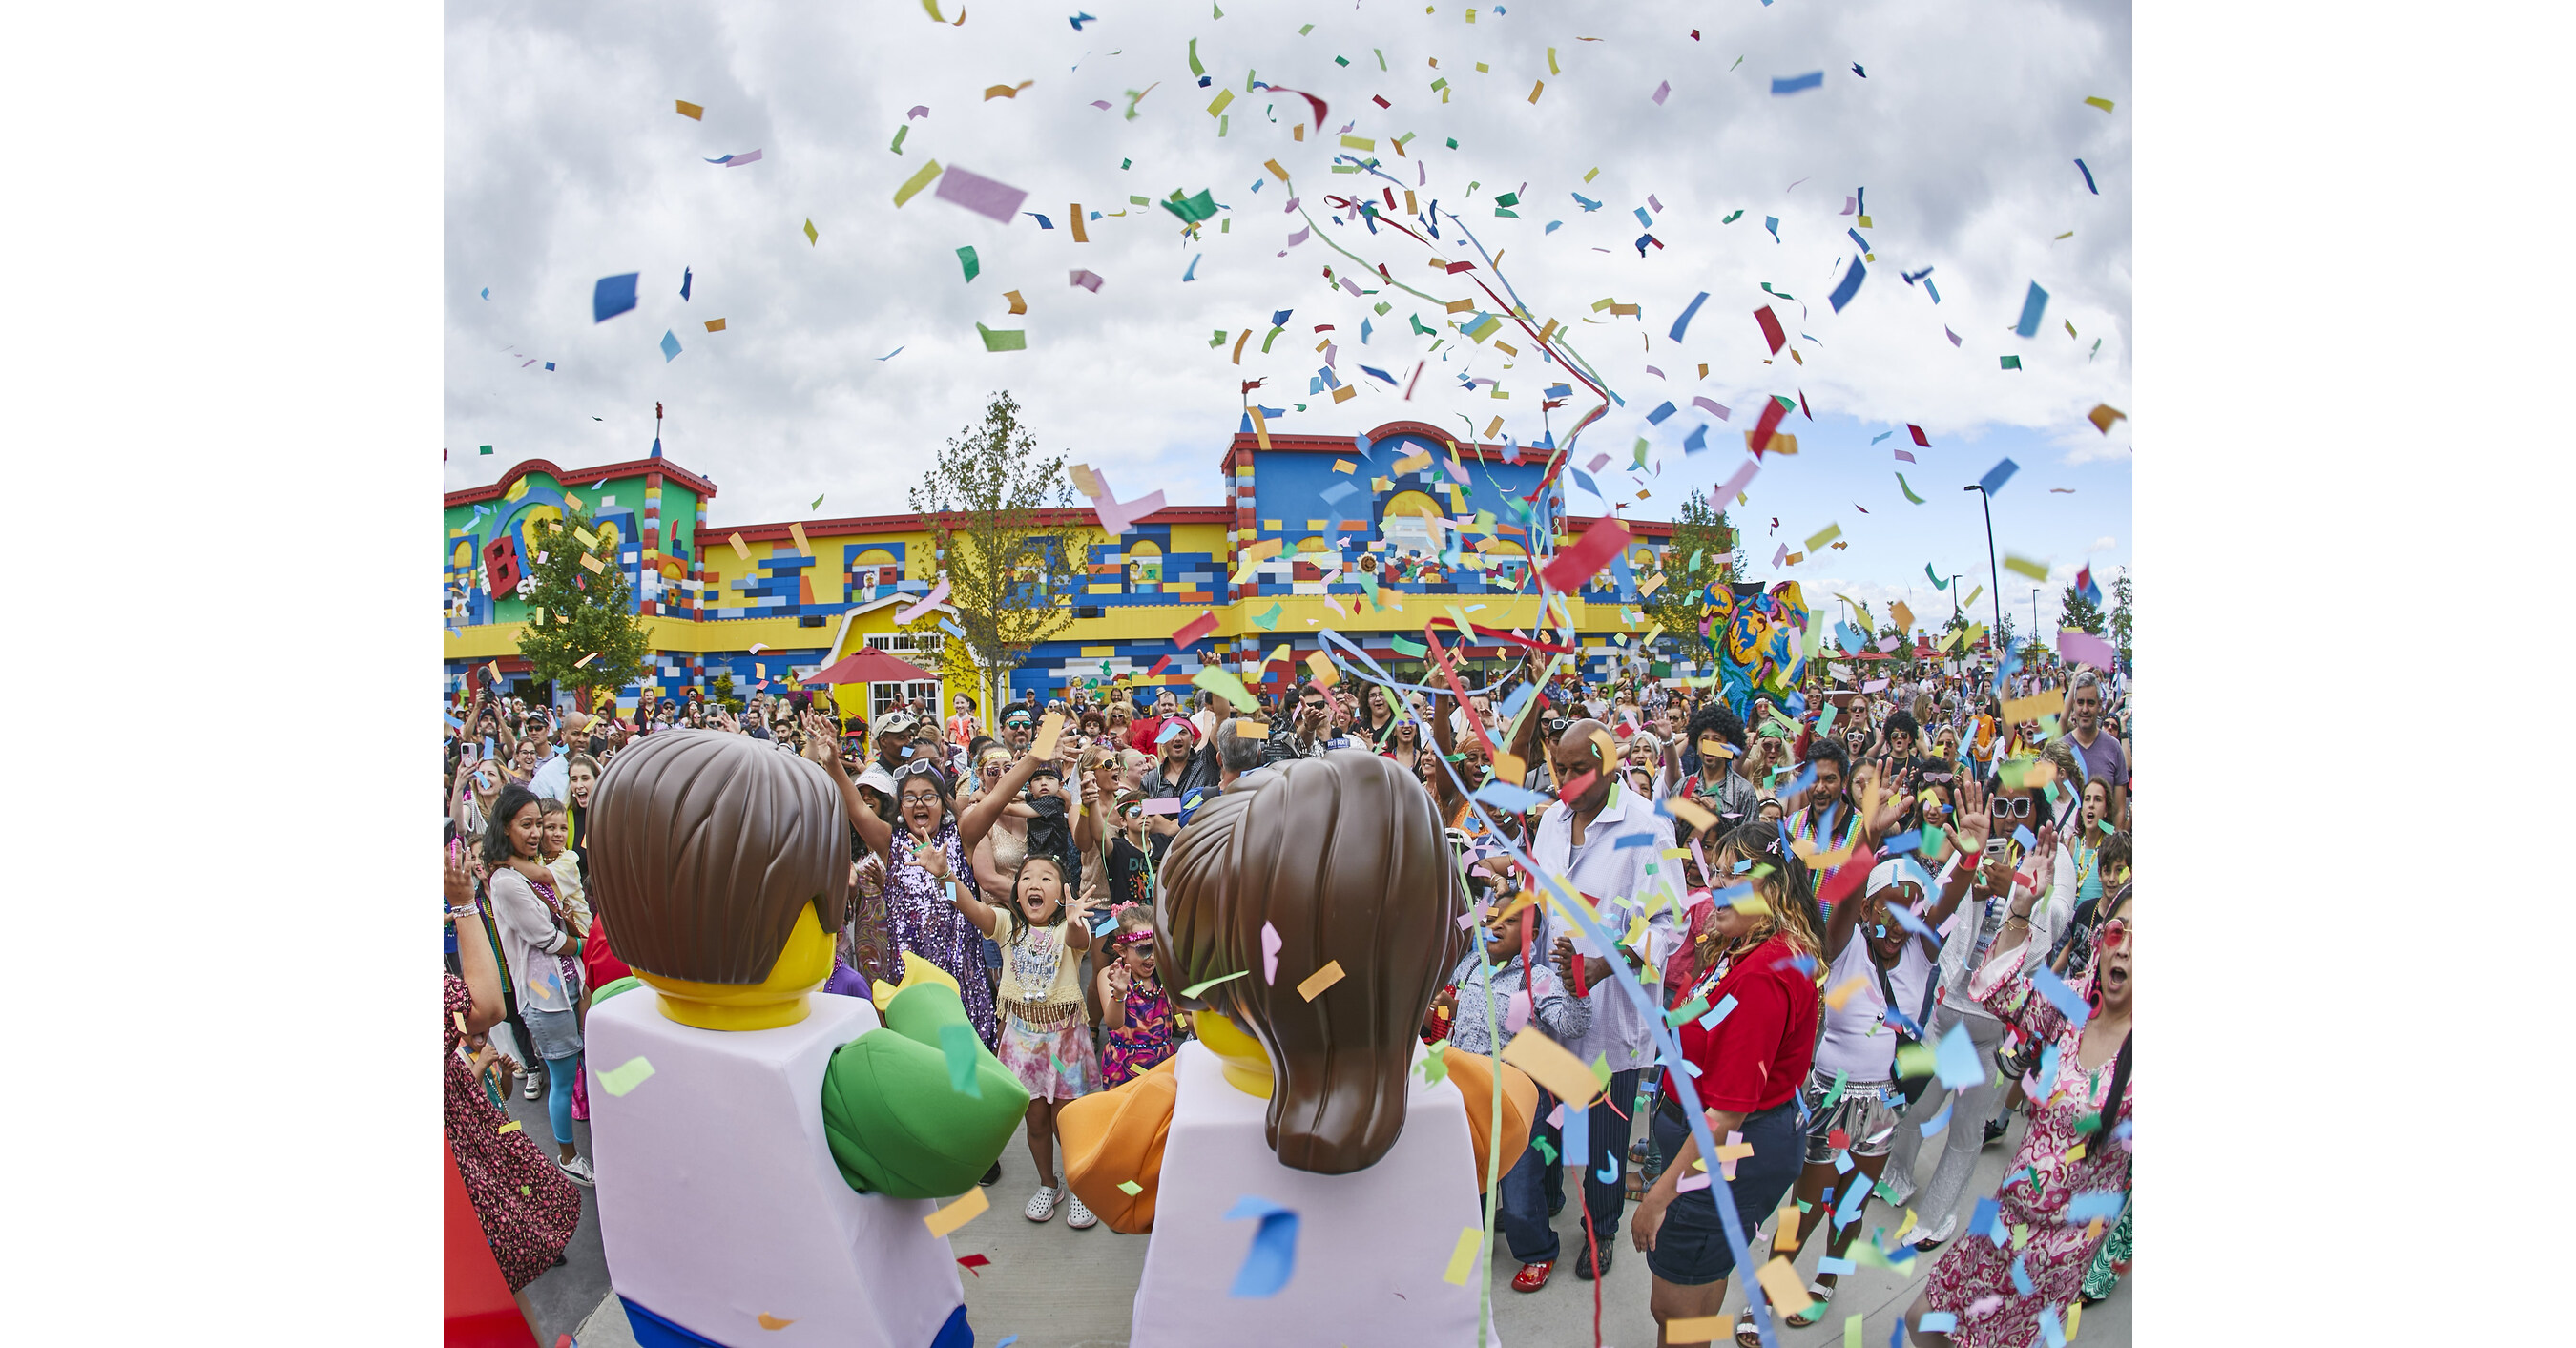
1864,1116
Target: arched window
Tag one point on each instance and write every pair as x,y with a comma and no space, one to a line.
1406,523
1144,566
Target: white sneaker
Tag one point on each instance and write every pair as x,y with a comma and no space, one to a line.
1041,1204
1075,1214
577,1170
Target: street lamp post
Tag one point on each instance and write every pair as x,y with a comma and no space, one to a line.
1993,580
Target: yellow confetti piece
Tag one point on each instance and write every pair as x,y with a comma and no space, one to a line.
1696,1329
1552,1066
1537,89
1044,745
625,1077
511,1127
691,110
1273,166
2020,565
1319,980
739,549
1006,90
1462,1259
1018,305
810,236
715,325
2103,103
1780,1281
769,1321
1835,997
957,1214
912,186
1551,62
1223,97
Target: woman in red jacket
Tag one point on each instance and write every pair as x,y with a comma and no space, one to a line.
1751,1063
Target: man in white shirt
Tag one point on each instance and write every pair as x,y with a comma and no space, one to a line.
553,777
1581,842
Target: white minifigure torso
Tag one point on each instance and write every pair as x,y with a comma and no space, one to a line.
1373,1247
719,1204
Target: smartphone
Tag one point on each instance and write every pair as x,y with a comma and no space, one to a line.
1996,847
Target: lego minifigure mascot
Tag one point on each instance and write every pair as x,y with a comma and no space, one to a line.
1319,1106
766,1153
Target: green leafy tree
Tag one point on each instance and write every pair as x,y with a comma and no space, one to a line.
582,630
1698,556
721,689
2078,612
1011,578
2120,599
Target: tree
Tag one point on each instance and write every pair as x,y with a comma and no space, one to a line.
1011,578
2002,635
1696,557
720,688
2078,612
582,630
2120,614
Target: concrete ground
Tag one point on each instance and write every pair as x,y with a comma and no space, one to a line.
1055,1287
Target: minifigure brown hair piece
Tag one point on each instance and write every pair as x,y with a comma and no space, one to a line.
706,847
1345,858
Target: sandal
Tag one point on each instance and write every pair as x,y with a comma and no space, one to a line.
1819,1296
1746,1335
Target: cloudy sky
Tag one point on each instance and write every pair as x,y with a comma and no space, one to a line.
566,161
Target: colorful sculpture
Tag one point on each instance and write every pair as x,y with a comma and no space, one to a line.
1755,640
1324,1106
766,1153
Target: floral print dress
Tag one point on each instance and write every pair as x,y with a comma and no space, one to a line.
920,920
527,1207
2000,1293
1144,1040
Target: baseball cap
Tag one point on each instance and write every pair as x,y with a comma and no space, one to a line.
896,723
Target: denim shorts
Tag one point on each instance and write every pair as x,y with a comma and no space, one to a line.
558,1033
1690,1250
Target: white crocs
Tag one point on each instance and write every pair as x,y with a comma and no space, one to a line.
1075,1214
1041,1204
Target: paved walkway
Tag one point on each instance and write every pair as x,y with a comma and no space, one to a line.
1055,1287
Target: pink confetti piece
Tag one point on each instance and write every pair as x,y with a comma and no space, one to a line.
928,602
1662,92
1954,337
985,197
1100,103
1088,280
1905,454
923,110
1270,944
1715,408
1653,204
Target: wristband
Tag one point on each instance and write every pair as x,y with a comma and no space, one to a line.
469,910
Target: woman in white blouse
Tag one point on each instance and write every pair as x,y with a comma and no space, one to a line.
543,951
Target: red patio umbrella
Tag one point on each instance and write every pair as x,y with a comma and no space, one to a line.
869,665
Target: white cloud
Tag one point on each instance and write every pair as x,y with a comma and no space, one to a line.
566,162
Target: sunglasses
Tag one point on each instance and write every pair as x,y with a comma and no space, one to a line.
2114,934
2010,807
922,766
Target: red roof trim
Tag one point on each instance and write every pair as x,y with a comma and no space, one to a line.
630,468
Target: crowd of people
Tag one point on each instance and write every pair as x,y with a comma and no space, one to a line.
1838,899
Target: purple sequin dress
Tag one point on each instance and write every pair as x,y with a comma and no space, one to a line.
920,919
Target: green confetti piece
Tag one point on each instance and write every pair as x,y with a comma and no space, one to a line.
1195,67
1909,491
1218,339
959,1043
621,1079
899,133
1014,340
1732,218
1224,684
1697,1008
1195,989
973,265
2012,362
1130,1188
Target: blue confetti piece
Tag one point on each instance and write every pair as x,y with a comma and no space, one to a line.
1881,436
1587,203
1718,1012
1697,440
613,295
1856,238
1935,292
1644,221
1552,226
1577,1132
2102,1203
1557,390
670,347
1829,1264
1193,273
1956,1060
1334,494
2021,1274
1684,321
949,625
1932,1126
1851,286
2032,306
1997,476
1043,222
1937,1322
2049,1328
1795,83
1516,799
1772,223
2064,998
550,365
2088,178
686,276
1656,417
1371,369
1628,841
1279,318
1987,1221
2023,836
487,292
